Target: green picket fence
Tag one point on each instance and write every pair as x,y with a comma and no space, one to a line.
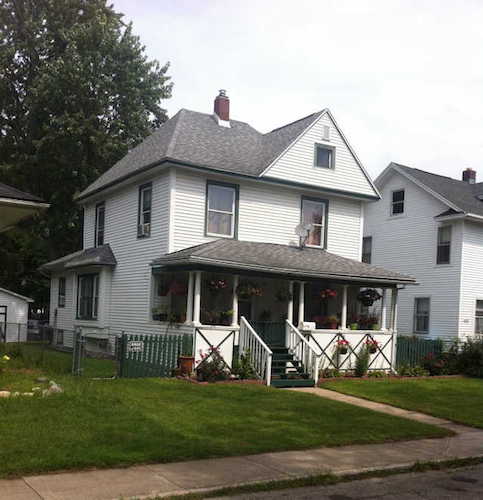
152,355
412,350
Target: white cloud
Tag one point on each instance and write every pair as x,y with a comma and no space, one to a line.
403,78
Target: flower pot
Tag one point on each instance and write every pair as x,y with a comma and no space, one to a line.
354,326
333,325
186,364
372,350
343,350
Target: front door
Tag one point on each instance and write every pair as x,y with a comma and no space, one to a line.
271,332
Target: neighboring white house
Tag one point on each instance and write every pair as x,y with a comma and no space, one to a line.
202,223
14,312
431,226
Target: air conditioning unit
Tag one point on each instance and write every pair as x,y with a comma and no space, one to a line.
144,229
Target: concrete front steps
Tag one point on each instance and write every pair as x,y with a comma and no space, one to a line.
288,372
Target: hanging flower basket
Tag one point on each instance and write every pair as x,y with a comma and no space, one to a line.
248,289
216,285
342,346
372,345
328,293
177,288
368,296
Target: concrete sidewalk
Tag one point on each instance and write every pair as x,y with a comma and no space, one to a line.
183,477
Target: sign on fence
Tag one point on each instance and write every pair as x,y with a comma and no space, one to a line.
135,346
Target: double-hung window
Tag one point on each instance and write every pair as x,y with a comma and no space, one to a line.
479,317
221,209
443,252
88,296
314,217
367,249
61,292
144,210
421,314
100,223
397,202
324,156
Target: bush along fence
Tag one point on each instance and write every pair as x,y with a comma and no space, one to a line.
412,351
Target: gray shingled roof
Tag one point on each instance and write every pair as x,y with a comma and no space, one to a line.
279,259
196,138
461,194
98,256
15,194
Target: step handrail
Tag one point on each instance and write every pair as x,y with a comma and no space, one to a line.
306,354
260,354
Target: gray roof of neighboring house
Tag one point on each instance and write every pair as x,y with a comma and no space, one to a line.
16,194
97,256
196,139
461,194
279,259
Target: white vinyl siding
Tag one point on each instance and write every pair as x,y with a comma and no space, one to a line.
407,244
267,213
297,163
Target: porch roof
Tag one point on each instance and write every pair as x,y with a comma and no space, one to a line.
271,258
98,256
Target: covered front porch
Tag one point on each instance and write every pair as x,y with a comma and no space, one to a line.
296,319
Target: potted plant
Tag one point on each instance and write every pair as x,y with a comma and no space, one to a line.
368,296
186,362
342,346
247,289
328,293
332,322
354,326
372,345
225,317
158,314
375,326
177,288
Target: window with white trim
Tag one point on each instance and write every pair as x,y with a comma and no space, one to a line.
61,292
397,202
100,222
314,215
144,210
221,207
443,252
421,314
479,317
324,156
88,296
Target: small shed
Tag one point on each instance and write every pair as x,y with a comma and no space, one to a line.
14,313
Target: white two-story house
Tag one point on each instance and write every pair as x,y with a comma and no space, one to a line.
431,226
209,220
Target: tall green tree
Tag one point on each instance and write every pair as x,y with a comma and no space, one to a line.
76,93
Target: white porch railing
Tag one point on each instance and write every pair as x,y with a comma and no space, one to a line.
302,351
251,345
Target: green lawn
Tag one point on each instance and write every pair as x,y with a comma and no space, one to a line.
459,399
125,421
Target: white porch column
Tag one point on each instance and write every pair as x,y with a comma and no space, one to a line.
290,302
189,299
301,302
383,309
197,300
343,317
394,309
234,307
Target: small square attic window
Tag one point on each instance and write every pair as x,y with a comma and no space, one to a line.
324,156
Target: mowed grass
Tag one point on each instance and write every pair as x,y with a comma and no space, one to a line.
102,423
457,398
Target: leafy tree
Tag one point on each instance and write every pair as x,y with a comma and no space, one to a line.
76,93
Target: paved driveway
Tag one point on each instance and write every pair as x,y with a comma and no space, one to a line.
465,483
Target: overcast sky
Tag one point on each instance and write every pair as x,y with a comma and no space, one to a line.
404,79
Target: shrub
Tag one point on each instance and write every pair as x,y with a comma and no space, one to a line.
243,367
406,370
377,374
212,368
329,373
362,362
470,358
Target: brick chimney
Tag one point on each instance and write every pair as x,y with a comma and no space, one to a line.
222,106
469,176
